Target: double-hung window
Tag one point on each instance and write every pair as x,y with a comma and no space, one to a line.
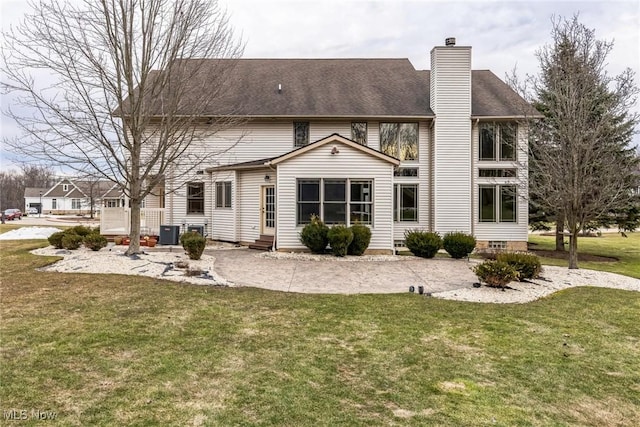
498,141
497,203
75,203
399,140
300,134
359,132
195,197
405,202
335,201
223,194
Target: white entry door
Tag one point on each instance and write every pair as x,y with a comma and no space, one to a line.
268,210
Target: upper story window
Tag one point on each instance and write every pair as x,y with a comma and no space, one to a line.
65,187
195,197
498,141
359,132
399,140
300,134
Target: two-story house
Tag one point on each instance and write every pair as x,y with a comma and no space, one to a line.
373,141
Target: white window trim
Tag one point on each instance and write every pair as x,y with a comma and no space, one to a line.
347,202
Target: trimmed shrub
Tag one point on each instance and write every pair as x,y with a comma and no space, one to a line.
340,237
496,274
95,241
361,239
458,244
187,235
71,241
422,243
527,265
314,235
81,230
55,239
194,245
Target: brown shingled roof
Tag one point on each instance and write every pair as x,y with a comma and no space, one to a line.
341,88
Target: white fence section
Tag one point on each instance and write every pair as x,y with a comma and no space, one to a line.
117,221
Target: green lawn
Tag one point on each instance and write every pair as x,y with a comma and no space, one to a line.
119,350
625,249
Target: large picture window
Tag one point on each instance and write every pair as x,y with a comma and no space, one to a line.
405,202
223,194
498,141
399,140
75,204
335,201
498,203
195,197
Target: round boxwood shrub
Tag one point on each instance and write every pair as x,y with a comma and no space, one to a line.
194,245
314,235
55,239
361,239
422,243
71,241
527,265
95,241
340,237
458,244
495,273
187,235
81,230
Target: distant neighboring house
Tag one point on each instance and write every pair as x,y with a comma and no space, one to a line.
67,196
369,141
33,197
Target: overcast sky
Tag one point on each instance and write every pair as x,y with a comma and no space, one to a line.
503,34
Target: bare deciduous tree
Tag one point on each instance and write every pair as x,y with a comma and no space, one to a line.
117,94
581,159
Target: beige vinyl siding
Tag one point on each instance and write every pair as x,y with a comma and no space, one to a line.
451,102
320,163
320,129
503,231
248,207
224,220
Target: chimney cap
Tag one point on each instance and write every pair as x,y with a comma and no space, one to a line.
450,41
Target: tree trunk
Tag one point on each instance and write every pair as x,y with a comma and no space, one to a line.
560,235
134,233
573,248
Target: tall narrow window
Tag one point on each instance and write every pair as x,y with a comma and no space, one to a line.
508,203
487,142
300,134
359,132
335,201
405,206
487,203
308,199
65,187
507,141
54,203
223,194
399,140
361,206
195,197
